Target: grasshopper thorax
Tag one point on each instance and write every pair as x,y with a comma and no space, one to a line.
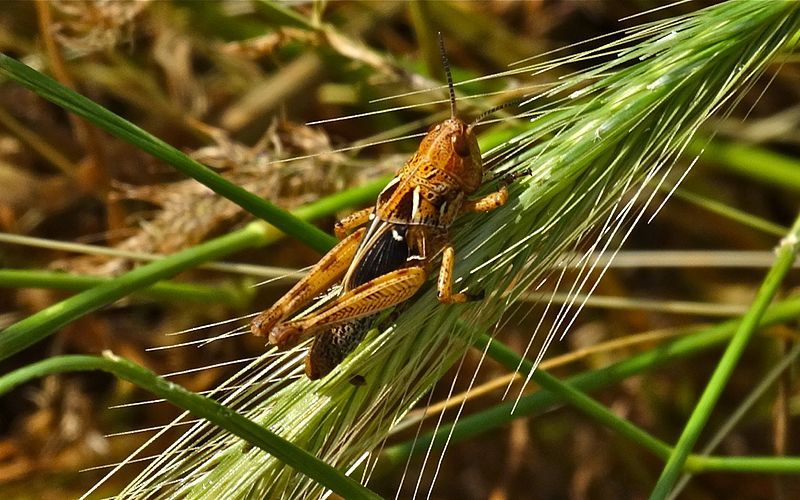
431,187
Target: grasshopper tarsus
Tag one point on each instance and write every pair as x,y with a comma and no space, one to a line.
462,297
509,178
328,270
513,176
286,335
352,221
339,230
261,325
357,380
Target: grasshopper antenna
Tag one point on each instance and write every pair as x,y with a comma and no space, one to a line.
477,121
446,65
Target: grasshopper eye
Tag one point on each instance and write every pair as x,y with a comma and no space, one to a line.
460,145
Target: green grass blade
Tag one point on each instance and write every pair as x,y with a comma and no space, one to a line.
569,394
200,406
56,93
752,465
351,197
36,327
747,328
754,396
163,290
619,125
750,161
499,415
731,213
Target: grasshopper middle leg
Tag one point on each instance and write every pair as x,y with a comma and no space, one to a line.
487,203
494,200
352,221
444,284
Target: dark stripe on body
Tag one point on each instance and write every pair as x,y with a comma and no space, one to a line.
382,253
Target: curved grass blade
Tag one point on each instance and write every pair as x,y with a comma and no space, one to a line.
787,253
34,328
198,405
43,323
163,290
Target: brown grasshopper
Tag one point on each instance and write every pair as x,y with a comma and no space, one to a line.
386,258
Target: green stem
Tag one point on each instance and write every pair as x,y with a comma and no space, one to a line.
56,93
500,415
731,213
695,463
37,326
769,465
331,204
164,290
726,365
34,328
753,397
200,406
351,197
323,207
569,394
754,162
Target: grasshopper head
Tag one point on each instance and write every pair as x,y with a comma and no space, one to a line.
451,146
452,143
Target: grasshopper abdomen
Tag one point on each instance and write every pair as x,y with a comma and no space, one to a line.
331,346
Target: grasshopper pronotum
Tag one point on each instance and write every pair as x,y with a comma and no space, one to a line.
392,246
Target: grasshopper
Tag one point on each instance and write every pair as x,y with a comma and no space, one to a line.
387,251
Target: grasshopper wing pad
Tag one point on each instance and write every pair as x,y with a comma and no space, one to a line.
383,251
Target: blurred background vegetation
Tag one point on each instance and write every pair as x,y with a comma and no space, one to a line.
233,83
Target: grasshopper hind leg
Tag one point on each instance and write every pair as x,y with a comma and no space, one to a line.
331,346
328,270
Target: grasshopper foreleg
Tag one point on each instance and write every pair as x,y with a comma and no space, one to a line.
496,199
325,273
